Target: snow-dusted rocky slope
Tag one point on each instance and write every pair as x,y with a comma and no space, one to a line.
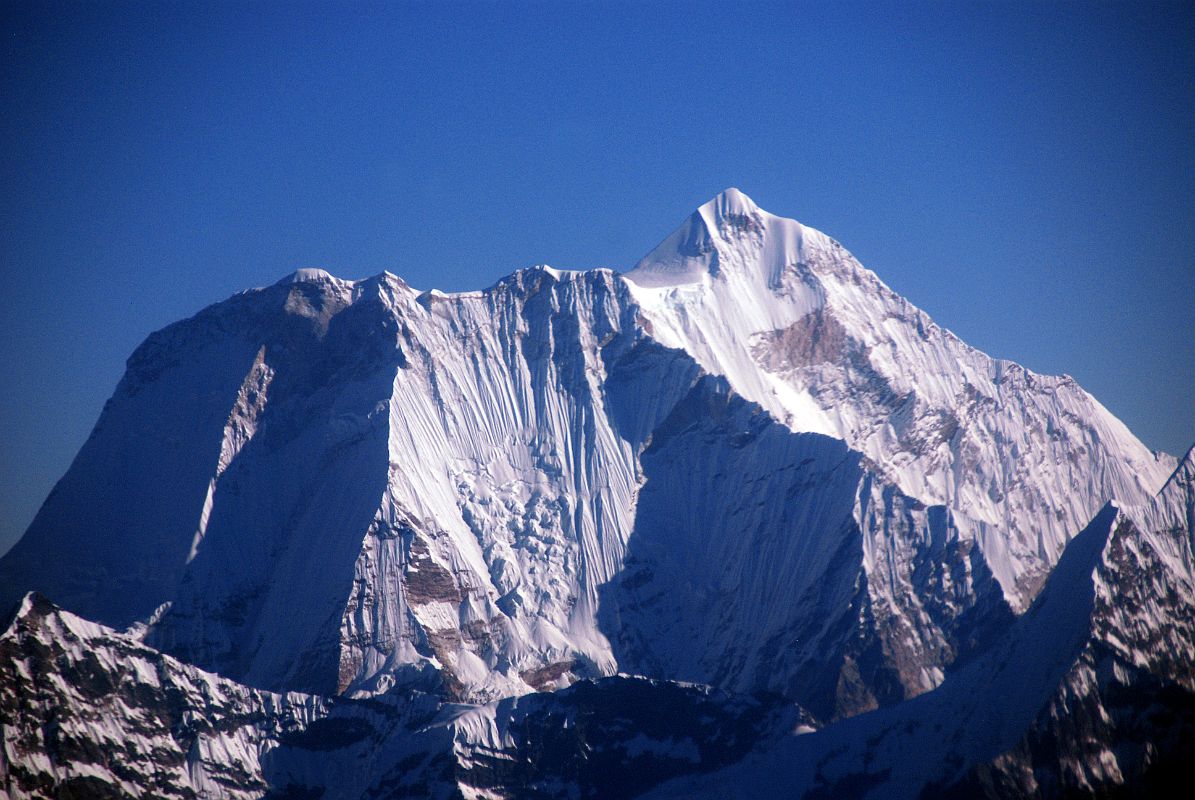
1090,693
89,712
86,711
746,463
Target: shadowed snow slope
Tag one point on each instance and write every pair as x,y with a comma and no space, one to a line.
747,463
1092,689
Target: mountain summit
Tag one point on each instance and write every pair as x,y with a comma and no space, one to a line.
690,253
746,464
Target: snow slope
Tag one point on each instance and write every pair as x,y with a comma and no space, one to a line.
344,487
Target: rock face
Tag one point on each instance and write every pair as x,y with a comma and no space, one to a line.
745,464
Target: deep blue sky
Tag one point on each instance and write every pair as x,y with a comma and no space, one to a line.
1025,173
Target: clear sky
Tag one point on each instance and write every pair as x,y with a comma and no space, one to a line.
1025,173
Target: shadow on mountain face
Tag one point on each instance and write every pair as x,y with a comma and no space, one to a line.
619,736
744,568
104,544
310,480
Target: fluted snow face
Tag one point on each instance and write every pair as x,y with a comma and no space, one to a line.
510,492
747,463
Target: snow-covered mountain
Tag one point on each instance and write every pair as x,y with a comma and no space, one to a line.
745,464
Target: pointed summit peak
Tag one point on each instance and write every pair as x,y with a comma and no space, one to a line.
729,204
690,253
728,228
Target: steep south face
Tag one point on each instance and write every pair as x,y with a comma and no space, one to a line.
575,473
1105,653
513,473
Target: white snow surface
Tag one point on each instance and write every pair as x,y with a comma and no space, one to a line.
343,485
